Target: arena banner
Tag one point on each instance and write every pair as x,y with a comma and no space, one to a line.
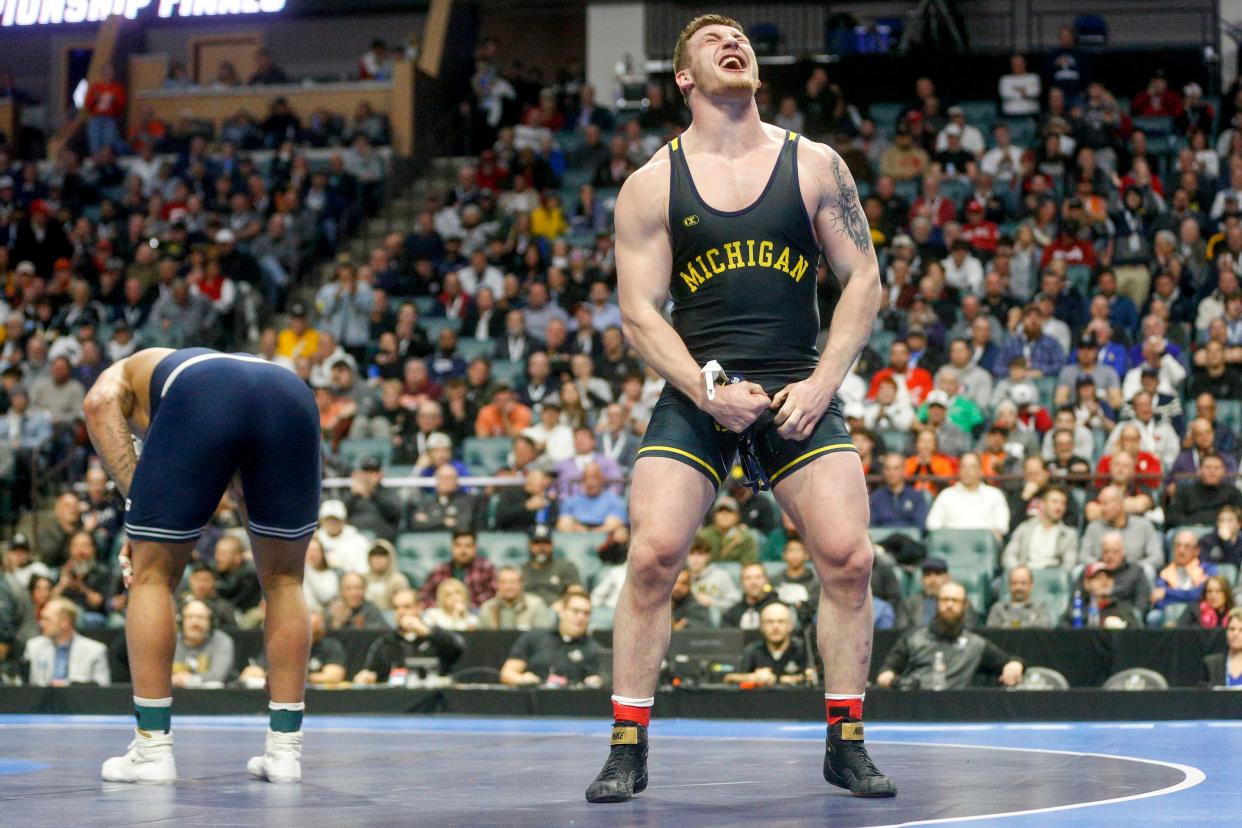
31,13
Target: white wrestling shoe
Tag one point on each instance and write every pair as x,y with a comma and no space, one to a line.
148,761
281,760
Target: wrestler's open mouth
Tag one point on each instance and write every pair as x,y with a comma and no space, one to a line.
733,63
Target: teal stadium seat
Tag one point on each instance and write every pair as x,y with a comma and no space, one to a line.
490,453
1229,572
504,548
581,549
508,370
434,325
469,349
419,552
353,452
965,550
894,440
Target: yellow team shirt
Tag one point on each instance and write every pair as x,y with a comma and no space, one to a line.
292,346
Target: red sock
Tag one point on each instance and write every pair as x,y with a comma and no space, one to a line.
626,713
839,709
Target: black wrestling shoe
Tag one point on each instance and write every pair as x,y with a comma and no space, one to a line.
625,772
847,764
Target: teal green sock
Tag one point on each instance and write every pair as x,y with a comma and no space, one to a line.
153,715
286,718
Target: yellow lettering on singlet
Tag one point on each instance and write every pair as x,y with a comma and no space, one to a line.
690,282
750,252
713,260
734,251
765,253
799,270
783,262
698,280
707,271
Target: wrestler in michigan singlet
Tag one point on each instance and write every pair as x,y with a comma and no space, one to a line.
744,293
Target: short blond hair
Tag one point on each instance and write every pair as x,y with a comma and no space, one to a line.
700,22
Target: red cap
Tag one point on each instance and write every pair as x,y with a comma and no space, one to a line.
39,207
1095,569
974,206
62,264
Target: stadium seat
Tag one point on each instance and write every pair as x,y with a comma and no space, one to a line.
895,440
601,618
881,340
1137,678
885,114
1229,572
972,550
774,568
1154,126
469,349
1047,387
1229,412
582,549
734,570
434,325
353,452
510,371
1043,678
420,552
490,453
504,548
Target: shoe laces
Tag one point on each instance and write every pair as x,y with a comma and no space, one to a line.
859,757
619,760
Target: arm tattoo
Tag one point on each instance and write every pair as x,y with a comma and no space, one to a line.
847,215
114,443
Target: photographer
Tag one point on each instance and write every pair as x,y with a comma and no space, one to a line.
945,642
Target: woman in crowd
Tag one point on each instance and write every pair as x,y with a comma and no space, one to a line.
321,583
1225,669
452,609
1213,610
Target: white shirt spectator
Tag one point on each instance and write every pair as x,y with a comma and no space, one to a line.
1172,374
972,140
967,276
1019,94
896,416
321,587
558,441
491,277
958,507
853,389
1002,163
1059,331
346,552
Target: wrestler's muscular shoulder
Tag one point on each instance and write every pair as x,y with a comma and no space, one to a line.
643,200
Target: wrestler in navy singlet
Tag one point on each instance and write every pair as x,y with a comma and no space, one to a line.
214,415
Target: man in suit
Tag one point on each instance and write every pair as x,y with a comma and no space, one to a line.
60,656
515,345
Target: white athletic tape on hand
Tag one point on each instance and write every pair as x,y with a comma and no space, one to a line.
712,373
